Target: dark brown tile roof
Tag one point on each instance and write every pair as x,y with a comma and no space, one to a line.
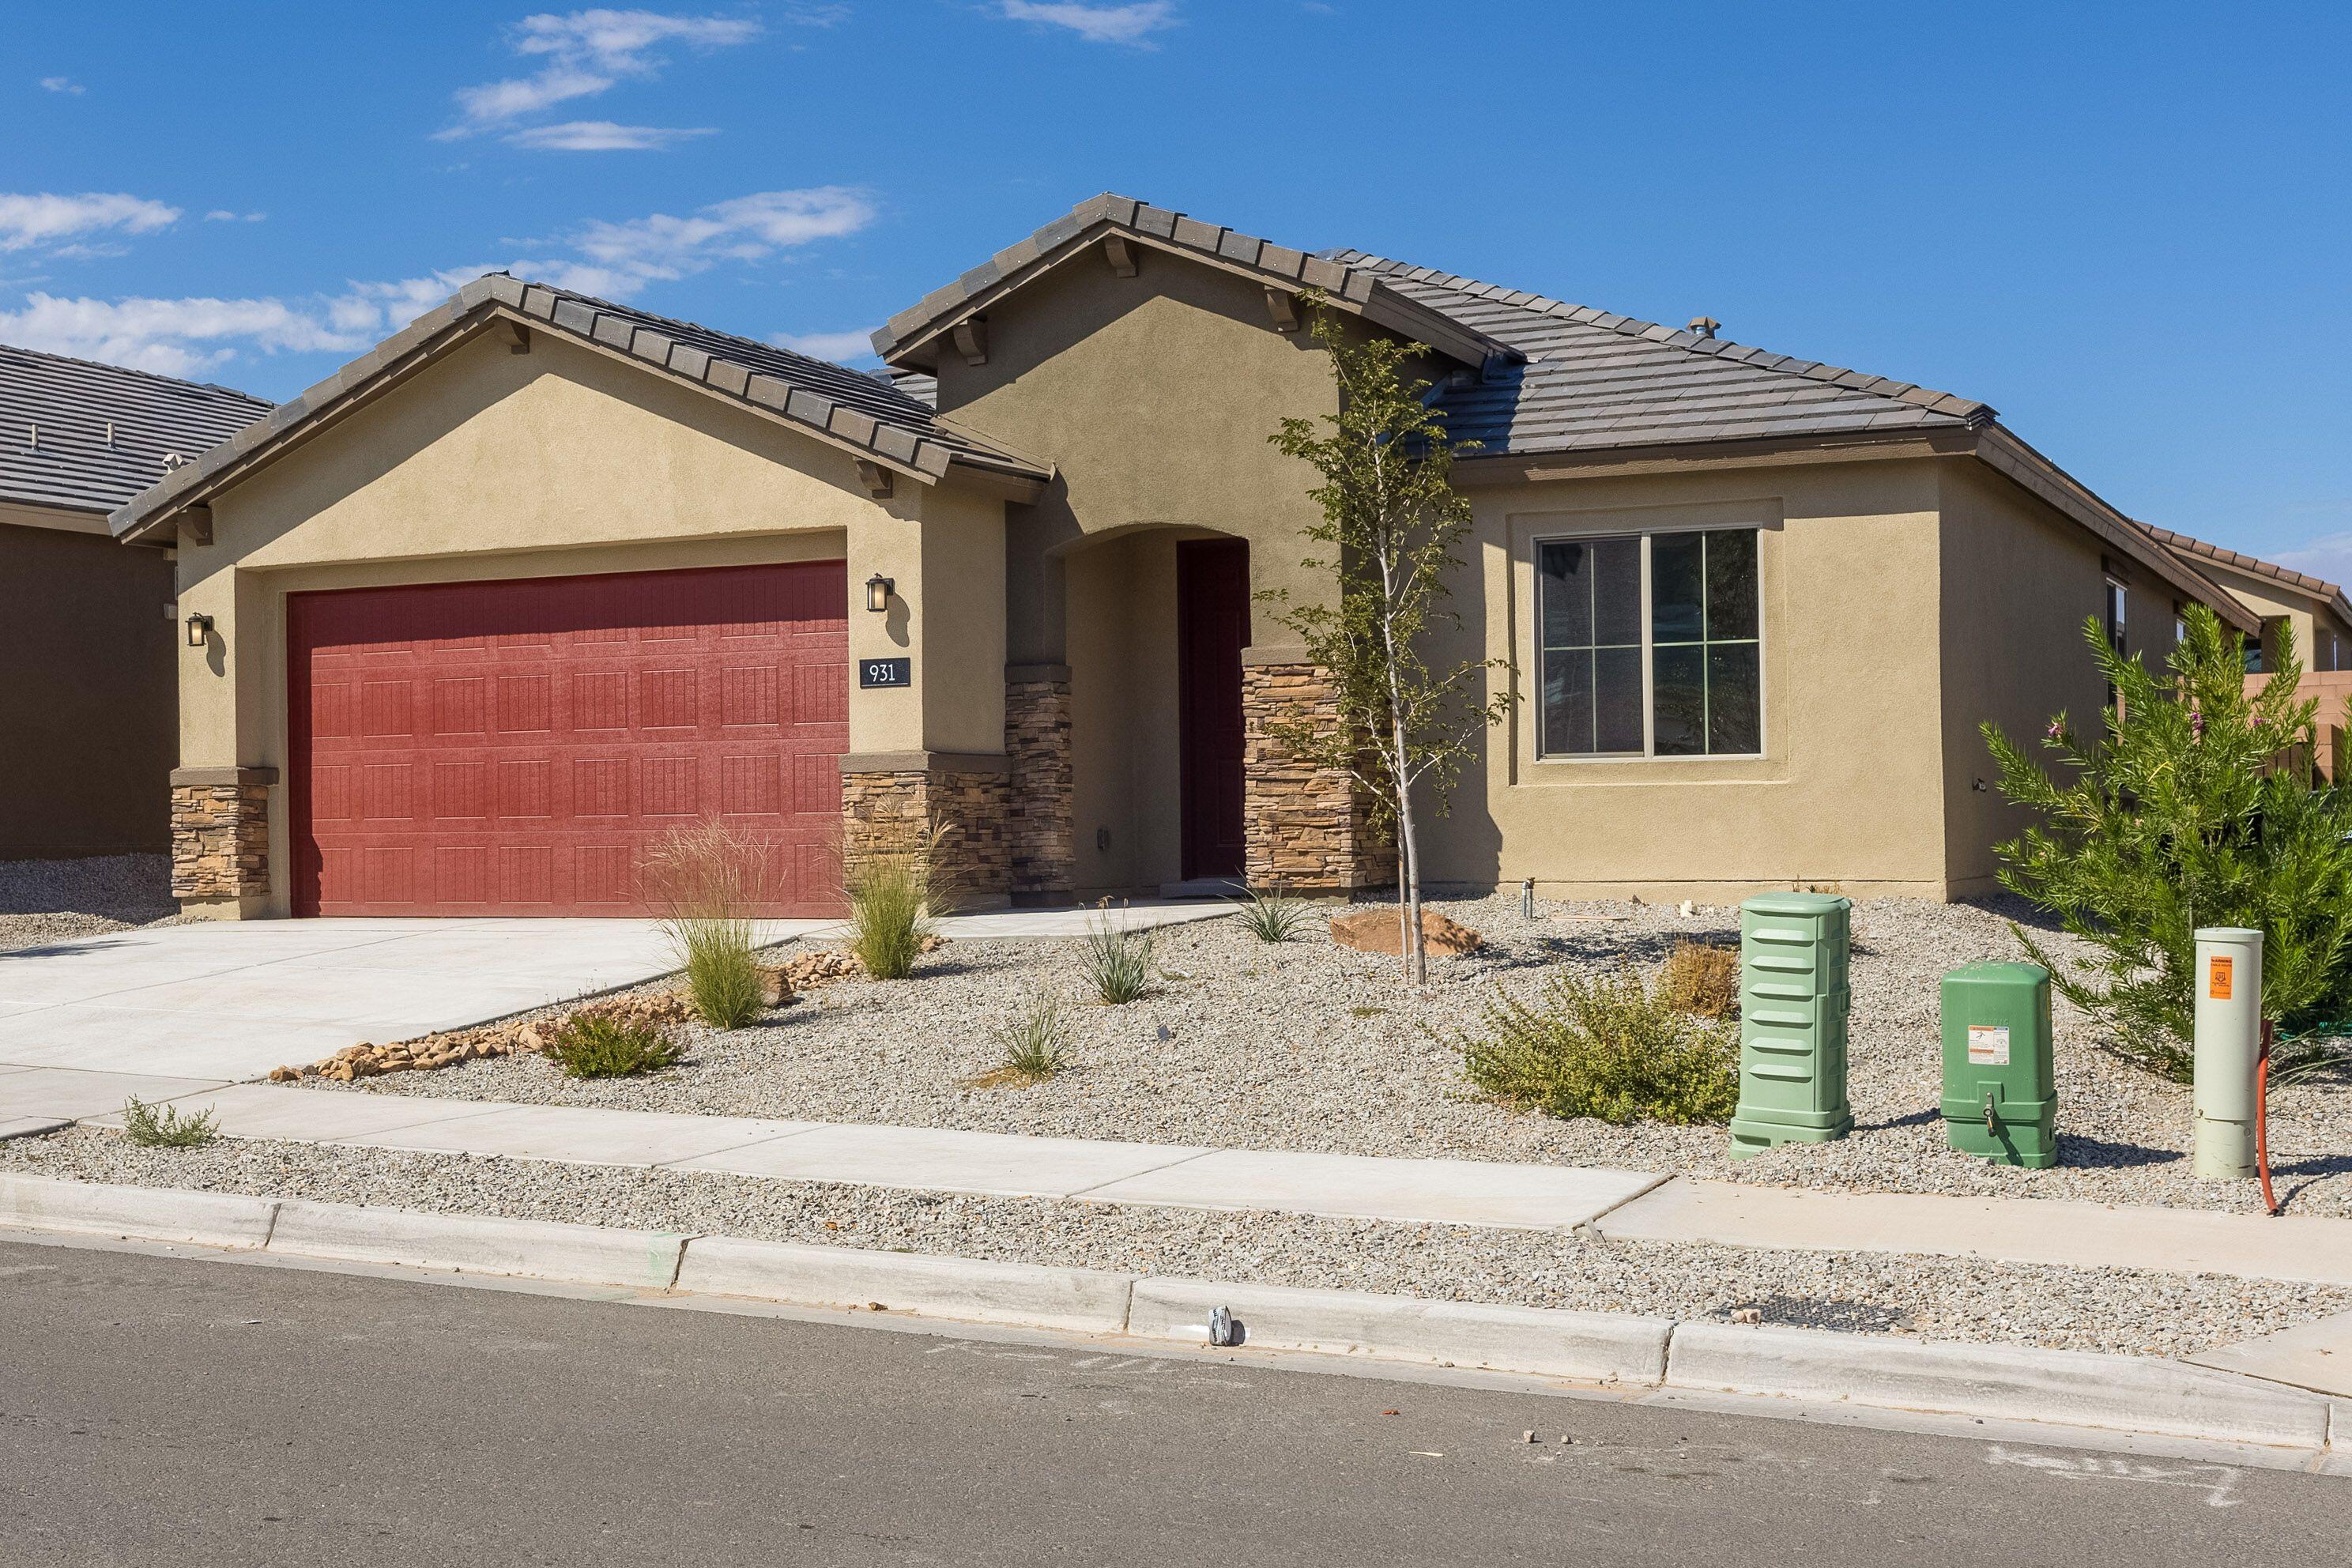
87,437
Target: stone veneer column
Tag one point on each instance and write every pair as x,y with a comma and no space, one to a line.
890,801
1038,819
1306,829
220,833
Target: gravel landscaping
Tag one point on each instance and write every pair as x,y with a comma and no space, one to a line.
2125,1311
47,901
1309,1045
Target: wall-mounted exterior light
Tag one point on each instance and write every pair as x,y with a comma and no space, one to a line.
200,630
877,594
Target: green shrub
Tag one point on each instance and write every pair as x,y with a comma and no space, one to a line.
1604,1046
165,1126
1270,914
2194,806
1118,960
705,879
1702,979
1036,1043
588,1044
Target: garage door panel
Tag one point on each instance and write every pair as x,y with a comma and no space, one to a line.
515,748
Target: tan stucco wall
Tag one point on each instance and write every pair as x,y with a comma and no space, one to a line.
1153,396
1126,765
2313,618
565,460
87,711
1848,791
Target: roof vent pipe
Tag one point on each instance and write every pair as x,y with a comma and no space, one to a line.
1705,326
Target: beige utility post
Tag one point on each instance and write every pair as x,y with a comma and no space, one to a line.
2229,1041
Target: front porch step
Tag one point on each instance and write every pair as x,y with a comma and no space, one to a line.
1205,888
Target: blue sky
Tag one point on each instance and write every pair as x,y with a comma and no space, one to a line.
2128,227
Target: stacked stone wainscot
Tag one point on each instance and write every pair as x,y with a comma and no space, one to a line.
220,833
1039,817
892,802
1307,829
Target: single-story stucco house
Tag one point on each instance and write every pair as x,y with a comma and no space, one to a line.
87,726
485,612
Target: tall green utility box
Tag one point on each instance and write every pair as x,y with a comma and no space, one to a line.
2000,1094
1793,1001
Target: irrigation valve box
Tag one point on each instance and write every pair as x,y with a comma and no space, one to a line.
2000,1096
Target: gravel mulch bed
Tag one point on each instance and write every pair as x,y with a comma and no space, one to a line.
43,903
2124,1311
1309,1045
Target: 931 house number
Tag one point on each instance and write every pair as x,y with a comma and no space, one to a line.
886,672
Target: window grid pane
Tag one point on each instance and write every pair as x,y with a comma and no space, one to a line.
1697,622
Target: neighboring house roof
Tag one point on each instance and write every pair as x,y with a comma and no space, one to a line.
86,438
841,406
1281,269
1592,379
2317,588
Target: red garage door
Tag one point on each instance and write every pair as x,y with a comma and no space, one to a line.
512,748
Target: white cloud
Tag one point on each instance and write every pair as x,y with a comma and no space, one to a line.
612,260
601,136
587,52
1129,24
47,220
624,257
62,84
857,344
223,214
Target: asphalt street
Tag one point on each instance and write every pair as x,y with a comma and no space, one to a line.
158,1409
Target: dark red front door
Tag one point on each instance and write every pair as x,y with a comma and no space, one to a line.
1212,606
512,748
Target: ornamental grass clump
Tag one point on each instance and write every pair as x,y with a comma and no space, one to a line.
899,885
1604,1046
1701,978
2193,804
588,1044
1118,960
705,881
165,1126
1270,914
1036,1043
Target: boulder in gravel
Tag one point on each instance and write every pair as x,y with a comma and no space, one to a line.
1377,929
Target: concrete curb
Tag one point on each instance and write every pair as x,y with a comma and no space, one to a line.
1803,1366
1085,1300
2079,1388
144,1214
1591,1347
529,1249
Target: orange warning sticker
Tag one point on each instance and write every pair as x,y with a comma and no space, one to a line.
2217,976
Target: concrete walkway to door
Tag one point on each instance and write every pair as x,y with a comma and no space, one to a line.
163,1011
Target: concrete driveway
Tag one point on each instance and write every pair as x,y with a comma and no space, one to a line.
200,1005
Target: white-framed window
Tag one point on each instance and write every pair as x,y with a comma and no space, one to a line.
1650,644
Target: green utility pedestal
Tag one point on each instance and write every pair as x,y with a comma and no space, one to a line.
2000,1095
1792,1020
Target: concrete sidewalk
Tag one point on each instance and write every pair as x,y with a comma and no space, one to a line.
1628,1205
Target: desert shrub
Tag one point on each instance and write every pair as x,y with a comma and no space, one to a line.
1034,1043
2193,806
589,1045
1118,960
1270,914
1702,979
165,1126
899,885
705,879
1604,1046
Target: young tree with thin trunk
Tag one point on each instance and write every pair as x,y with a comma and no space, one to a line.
1401,728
